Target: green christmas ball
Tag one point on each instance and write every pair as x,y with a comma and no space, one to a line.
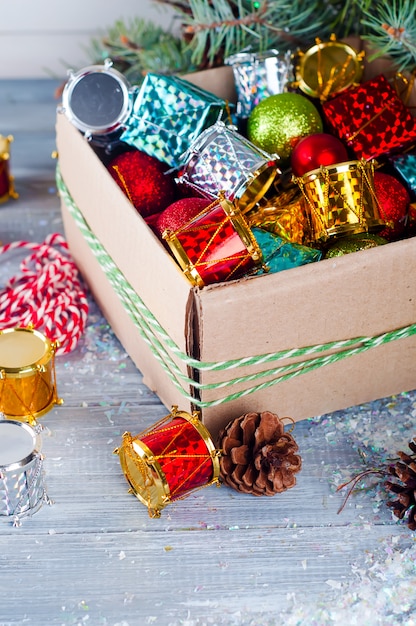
278,122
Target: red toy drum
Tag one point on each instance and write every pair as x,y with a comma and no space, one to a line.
6,180
167,461
214,246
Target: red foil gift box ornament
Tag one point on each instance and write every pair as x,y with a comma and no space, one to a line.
371,119
215,245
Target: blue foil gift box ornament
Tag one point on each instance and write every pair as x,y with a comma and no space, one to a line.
168,113
280,254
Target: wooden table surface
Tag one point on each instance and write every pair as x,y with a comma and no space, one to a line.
94,557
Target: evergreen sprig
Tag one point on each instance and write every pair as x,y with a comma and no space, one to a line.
392,31
138,46
220,28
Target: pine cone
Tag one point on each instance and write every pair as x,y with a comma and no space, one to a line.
404,471
258,456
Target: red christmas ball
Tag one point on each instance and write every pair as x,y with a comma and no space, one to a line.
393,200
179,213
315,150
144,180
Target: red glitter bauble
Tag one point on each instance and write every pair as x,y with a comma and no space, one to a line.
179,213
393,200
144,181
315,150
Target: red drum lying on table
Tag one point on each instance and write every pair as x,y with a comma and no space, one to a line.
169,460
214,246
27,374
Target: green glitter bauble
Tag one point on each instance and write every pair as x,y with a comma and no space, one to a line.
278,122
354,243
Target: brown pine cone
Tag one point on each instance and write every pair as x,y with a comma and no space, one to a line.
258,456
404,471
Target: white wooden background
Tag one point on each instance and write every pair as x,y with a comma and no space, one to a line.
41,38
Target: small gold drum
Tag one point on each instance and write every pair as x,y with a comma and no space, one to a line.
341,200
166,462
27,374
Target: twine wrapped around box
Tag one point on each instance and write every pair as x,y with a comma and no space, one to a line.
162,346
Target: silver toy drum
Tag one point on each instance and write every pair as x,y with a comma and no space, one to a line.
259,75
22,490
221,160
97,100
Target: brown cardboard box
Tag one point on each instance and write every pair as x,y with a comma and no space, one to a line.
364,294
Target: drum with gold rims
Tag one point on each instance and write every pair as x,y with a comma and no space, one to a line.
22,489
27,374
169,460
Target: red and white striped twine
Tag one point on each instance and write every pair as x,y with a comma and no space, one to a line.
48,294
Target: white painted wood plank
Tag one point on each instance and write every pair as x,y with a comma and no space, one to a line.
48,16
46,38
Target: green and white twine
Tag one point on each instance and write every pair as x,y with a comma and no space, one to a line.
162,346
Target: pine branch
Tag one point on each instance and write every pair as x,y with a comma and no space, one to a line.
392,31
138,46
220,28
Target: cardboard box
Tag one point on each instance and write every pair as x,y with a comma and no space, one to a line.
166,325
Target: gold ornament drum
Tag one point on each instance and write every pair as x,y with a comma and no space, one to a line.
223,160
341,200
6,180
328,68
27,374
22,489
169,460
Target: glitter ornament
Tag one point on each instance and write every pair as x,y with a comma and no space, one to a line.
180,212
393,200
315,150
277,123
354,243
144,181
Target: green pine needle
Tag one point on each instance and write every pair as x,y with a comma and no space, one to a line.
138,46
392,31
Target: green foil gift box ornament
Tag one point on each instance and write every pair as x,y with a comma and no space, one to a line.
280,254
168,113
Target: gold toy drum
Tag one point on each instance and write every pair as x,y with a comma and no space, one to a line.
223,160
22,490
169,460
27,374
341,199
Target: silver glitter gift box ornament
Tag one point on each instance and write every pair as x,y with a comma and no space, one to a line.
259,75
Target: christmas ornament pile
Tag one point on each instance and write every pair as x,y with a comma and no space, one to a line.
311,162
